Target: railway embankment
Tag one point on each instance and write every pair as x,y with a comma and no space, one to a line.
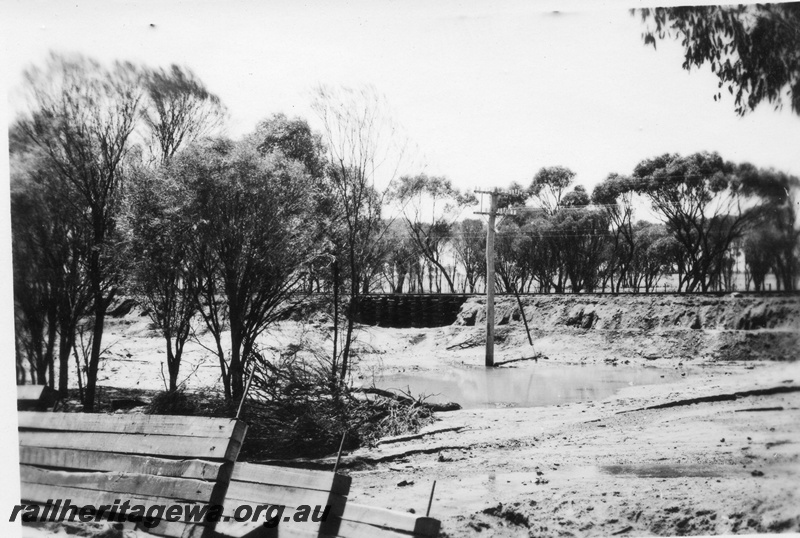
660,326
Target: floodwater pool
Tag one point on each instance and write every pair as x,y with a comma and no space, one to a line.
528,386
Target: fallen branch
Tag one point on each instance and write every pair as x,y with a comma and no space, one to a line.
468,343
534,358
718,398
326,464
403,438
447,406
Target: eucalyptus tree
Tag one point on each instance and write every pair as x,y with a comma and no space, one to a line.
759,248
469,245
250,242
751,48
159,272
431,208
654,255
580,233
82,117
293,138
700,198
364,151
549,185
615,196
41,250
177,110
511,269
156,256
778,193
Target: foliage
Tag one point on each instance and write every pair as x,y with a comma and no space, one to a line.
469,245
777,212
511,269
294,139
297,409
178,110
752,49
364,151
554,246
655,253
615,196
401,263
548,186
700,199
421,194
249,242
173,402
159,269
580,235
81,117
48,248
35,287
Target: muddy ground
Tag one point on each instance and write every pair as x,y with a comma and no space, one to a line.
607,468
722,457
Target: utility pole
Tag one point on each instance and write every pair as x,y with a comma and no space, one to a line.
490,275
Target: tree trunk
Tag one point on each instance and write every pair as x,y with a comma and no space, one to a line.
401,279
64,349
235,368
94,359
172,367
335,357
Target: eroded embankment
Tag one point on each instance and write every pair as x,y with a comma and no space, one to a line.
730,327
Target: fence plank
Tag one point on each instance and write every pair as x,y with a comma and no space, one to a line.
181,426
355,529
238,529
177,489
155,445
41,493
124,463
392,519
280,476
250,493
233,529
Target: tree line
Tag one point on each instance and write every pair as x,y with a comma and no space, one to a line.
123,185
556,237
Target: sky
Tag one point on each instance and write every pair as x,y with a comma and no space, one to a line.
487,94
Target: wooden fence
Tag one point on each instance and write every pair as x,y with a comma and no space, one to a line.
407,310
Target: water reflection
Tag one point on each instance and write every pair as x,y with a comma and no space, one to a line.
530,386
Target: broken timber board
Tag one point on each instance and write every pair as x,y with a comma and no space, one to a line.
177,489
65,458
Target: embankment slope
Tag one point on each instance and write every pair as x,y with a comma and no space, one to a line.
649,327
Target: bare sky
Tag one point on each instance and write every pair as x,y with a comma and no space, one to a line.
489,94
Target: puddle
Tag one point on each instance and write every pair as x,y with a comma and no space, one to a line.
534,386
660,471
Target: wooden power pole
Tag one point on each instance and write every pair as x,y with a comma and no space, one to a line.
490,275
